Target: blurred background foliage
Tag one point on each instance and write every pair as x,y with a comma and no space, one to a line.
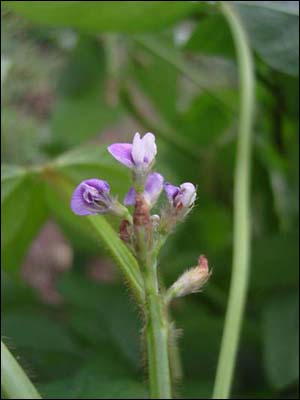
77,76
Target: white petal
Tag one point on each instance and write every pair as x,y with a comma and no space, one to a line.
150,149
188,194
138,150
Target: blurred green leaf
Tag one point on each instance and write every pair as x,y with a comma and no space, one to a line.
212,36
11,177
82,110
274,32
202,334
107,311
120,16
23,212
93,161
215,223
161,47
275,259
84,66
204,121
158,79
197,389
15,209
26,330
281,340
93,387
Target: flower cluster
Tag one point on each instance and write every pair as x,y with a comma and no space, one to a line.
142,232
92,196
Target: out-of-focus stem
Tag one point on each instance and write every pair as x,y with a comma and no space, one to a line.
241,250
14,382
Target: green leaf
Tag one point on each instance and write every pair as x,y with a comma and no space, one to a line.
157,78
197,389
273,27
11,176
105,16
275,259
202,334
212,36
215,225
281,340
38,332
204,122
98,323
82,96
23,212
93,387
198,75
93,161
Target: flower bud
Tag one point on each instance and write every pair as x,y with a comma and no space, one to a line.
190,281
181,200
125,231
155,219
92,197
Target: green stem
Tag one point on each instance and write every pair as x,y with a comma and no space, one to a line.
156,317
157,338
241,251
14,382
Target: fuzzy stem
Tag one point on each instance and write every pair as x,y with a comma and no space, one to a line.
156,317
241,250
157,337
14,382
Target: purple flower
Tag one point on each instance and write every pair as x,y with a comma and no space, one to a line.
153,188
92,197
138,155
182,196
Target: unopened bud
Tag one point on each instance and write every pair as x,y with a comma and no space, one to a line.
190,281
155,219
125,231
141,216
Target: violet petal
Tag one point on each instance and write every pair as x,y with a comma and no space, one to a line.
153,187
171,191
84,194
122,153
130,197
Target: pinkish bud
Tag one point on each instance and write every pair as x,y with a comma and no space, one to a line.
203,263
191,281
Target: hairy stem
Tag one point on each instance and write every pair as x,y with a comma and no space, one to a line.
157,338
241,251
156,318
14,382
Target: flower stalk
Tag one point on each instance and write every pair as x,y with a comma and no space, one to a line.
145,233
157,338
